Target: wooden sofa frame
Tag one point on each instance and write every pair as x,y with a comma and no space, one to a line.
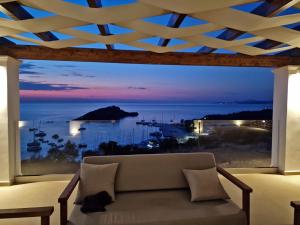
296,206
43,212
63,199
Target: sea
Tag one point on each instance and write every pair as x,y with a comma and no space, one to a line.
55,118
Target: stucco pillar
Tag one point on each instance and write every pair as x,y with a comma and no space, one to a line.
9,117
286,119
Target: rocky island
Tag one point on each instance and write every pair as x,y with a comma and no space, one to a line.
107,113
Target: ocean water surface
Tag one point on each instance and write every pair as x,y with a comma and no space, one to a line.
56,118
160,111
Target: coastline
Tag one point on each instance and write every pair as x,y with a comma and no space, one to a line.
131,136
239,158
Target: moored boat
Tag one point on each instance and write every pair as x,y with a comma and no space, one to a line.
34,148
40,134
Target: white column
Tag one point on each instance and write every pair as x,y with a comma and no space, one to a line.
286,119
9,117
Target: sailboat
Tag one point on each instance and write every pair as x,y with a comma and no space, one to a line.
34,146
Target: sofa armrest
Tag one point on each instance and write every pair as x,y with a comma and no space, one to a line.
65,195
234,180
43,212
244,187
296,206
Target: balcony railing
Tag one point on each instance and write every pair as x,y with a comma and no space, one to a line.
58,146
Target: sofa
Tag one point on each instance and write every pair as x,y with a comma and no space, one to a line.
151,190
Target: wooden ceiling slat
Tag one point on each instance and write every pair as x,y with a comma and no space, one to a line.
174,22
270,8
291,52
267,9
3,40
19,13
104,29
268,44
145,57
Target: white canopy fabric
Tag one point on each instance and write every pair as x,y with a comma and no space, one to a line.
218,14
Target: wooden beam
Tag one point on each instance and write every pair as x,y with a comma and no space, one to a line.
5,41
143,57
103,28
16,11
267,9
174,22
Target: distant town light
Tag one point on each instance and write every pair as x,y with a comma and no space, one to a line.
198,126
238,123
263,121
74,127
21,124
74,132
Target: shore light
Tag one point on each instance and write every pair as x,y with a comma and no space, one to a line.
21,124
238,122
74,127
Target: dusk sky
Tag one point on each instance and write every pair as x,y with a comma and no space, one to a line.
51,80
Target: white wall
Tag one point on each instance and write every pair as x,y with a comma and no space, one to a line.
286,119
9,117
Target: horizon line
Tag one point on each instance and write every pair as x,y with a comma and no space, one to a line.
145,101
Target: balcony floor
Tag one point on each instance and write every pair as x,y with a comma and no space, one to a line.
270,200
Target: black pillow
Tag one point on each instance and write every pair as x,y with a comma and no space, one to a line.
96,203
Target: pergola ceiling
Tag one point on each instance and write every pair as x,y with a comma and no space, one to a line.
257,32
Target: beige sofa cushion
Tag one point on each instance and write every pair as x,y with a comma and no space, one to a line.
168,207
154,172
96,178
205,185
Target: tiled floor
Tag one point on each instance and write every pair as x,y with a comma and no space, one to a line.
270,200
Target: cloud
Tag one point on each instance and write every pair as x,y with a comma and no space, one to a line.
34,76
30,68
30,65
38,86
29,72
137,88
66,66
76,74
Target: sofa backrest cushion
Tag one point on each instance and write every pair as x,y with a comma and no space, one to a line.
154,171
